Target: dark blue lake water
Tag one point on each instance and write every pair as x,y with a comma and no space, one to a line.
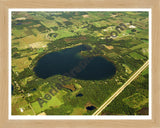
90,108
79,95
66,60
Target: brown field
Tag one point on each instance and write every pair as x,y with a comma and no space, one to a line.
89,104
71,39
85,16
21,18
36,25
71,87
143,111
108,47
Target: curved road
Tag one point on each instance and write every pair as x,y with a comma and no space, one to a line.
103,106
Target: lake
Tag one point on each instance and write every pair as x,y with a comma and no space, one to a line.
90,108
64,61
79,95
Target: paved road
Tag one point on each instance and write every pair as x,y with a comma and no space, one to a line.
103,106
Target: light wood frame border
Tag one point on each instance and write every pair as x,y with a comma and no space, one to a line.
4,7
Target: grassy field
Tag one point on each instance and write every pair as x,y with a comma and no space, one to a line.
136,100
21,63
136,56
18,104
56,101
28,40
49,23
128,70
142,45
78,111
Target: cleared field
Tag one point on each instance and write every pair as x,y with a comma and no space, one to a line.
142,45
128,70
54,102
60,19
77,86
28,40
136,56
49,23
78,111
19,33
145,51
25,80
38,45
108,47
64,33
35,31
100,23
112,54
136,100
71,87
20,106
33,56
21,63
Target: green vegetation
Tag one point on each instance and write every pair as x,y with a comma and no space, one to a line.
128,70
136,100
35,34
133,100
54,102
136,55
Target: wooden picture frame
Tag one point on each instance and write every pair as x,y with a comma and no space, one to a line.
4,71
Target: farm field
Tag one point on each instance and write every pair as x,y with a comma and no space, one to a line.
70,63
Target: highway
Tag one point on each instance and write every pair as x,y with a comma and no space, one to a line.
106,103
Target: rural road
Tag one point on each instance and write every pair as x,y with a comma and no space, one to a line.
106,103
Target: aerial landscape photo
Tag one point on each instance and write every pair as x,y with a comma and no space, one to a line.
79,63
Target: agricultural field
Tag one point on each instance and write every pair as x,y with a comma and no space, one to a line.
70,63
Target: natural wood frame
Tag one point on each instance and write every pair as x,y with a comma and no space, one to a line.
6,4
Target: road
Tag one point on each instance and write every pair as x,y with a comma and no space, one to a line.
32,109
106,103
